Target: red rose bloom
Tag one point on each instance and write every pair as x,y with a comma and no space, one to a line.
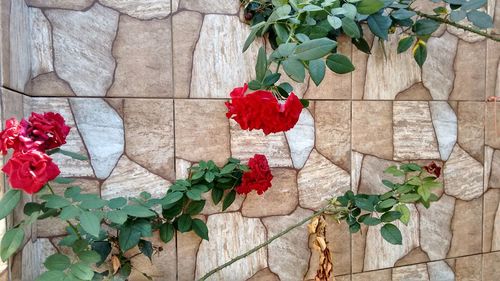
433,169
258,178
9,138
30,171
261,110
47,130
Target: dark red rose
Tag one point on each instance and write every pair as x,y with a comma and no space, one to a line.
47,130
9,138
433,169
258,178
30,171
261,110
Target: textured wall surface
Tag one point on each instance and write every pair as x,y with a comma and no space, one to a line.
143,83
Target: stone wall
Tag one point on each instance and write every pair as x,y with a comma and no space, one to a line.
143,83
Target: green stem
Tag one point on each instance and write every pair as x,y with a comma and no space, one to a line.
457,25
269,241
69,223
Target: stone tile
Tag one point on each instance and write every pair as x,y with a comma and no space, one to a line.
435,227
235,234
333,86
264,275
301,139
187,248
197,139
186,26
82,48
289,254
494,177
143,56
495,237
218,65
440,271
314,188
41,43
414,136
471,128
463,175
490,270
416,92
358,244
33,255
492,123
490,208
61,4
416,255
339,237
102,131
69,167
381,70
466,227
211,209
437,73
380,275
416,272
48,84
210,7
149,134
57,226
468,268
19,51
445,124
372,128
466,36
470,65
116,104
280,199
127,176
333,131
182,168
244,144
356,162
372,174
142,9
360,60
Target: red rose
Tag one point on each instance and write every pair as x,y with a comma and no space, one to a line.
433,169
47,130
9,138
30,171
261,110
258,178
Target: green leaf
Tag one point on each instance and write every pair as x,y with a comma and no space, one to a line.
30,208
117,216
253,34
371,221
228,169
480,19
209,176
424,192
355,227
405,213
409,198
294,69
388,183
94,203
230,197
361,45
167,232
51,276
271,79
350,28
317,71
55,201
129,237
57,262
368,7
71,154
334,21
217,195
146,248
69,212
304,102
90,223
425,27
72,192
194,194
172,197
405,43
184,223
387,203
391,234
200,228
402,14
364,204
82,271
411,167
314,49
138,211
89,257
393,170
117,203
261,66
350,10
390,216
63,180
457,15
339,63
103,248
379,25
11,241
9,202
195,207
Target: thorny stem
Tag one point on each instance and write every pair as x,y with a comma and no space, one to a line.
69,223
457,25
269,241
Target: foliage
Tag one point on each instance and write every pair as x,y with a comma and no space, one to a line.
304,33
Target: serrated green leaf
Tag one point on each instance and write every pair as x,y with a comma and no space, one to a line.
405,43
82,271
371,221
57,262
172,197
391,234
117,216
350,28
230,197
405,213
195,207
379,25
314,49
387,203
480,19
339,63
11,241
424,27
167,232
138,211
89,257
317,71
217,195
55,201
200,228
261,65
294,69
390,216
184,223
69,212
409,198
117,203
90,223
9,202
